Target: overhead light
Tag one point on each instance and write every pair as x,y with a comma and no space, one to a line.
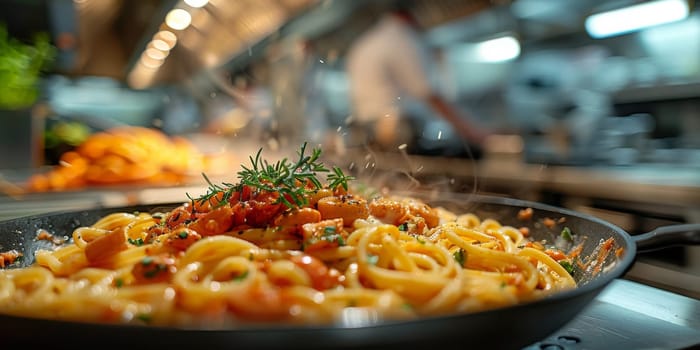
636,17
196,3
178,19
498,50
150,62
160,45
156,54
167,36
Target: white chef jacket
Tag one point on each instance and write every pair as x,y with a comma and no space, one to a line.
385,65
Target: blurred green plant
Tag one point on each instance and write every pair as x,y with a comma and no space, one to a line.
62,136
64,132
21,66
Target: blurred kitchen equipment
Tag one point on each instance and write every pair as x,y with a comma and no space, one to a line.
556,105
21,137
623,140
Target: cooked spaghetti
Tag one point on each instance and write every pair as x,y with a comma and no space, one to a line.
281,246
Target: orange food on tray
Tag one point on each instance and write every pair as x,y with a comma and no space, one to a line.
123,155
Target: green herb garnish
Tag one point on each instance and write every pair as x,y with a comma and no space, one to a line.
403,227
567,235
155,270
241,277
137,242
460,256
118,282
144,317
567,266
182,234
338,178
330,235
283,177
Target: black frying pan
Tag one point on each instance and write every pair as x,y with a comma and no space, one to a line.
511,327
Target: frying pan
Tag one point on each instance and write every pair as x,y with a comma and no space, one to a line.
505,328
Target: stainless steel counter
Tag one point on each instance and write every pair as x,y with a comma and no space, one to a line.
649,184
630,315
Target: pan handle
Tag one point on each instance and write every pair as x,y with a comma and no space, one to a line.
666,236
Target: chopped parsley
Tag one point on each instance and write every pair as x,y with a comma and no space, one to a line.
144,317
137,242
118,282
155,271
182,234
331,235
403,227
146,261
567,266
241,277
460,256
567,234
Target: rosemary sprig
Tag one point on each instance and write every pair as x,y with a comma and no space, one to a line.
289,179
338,178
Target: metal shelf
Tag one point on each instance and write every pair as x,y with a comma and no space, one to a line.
658,92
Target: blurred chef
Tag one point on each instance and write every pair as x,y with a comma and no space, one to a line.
387,65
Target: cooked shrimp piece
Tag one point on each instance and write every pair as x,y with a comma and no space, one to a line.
423,210
317,195
297,217
412,216
178,216
347,207
183,239
388,211
323,234
322,277
153,269
214,222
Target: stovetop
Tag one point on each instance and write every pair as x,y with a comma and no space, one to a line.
631,315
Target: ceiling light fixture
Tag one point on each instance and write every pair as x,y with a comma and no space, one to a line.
150,62
160,45
196,3
178,19
167,36
155,53
498,50
636,17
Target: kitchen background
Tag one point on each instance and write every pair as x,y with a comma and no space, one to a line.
604,124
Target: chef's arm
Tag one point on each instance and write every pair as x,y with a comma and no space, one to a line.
468,130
